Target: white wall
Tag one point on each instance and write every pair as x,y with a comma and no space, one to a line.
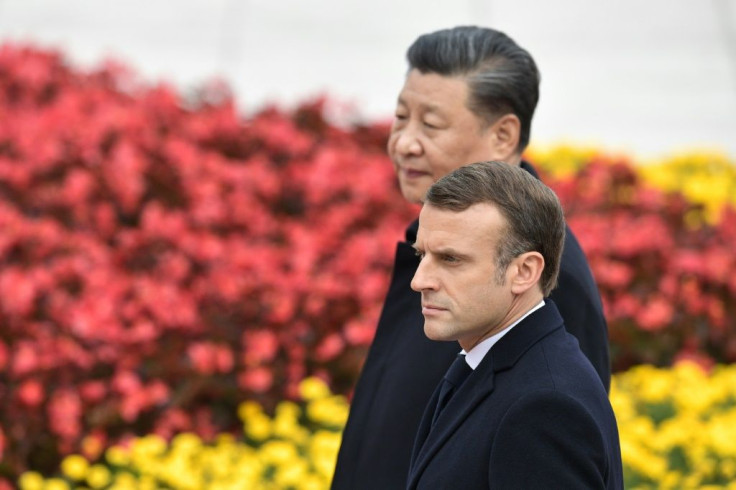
645,77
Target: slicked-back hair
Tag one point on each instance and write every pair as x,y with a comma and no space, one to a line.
534,217
502,77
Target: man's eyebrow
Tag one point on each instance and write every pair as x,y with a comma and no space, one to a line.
449,251
428,107
434,108
444,251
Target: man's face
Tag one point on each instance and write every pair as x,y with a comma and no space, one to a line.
463,298
434,132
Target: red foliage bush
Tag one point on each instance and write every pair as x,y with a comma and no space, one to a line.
161,259
665,278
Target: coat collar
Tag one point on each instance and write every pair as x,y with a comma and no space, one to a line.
479,385
411,232
528,167
527,333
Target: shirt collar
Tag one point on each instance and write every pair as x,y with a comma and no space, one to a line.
477,353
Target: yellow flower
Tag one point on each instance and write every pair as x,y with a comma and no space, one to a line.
331,411
313,389
148,446
124,481
118,456
560,160
147,483
291,473
323,452
278,452
186,443
30,480
98,476
56,484
248,409
75,467
705,178
258,427
313,482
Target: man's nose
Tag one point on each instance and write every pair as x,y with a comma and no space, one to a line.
407,141
423,279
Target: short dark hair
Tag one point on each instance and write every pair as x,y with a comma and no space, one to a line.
534,217
502,76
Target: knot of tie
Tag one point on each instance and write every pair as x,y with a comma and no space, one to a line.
454,377
459,370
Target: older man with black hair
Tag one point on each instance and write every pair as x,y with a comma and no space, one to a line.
469,96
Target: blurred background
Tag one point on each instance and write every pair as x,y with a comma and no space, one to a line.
639,77
173,312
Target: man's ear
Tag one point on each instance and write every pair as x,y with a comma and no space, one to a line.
526,272
505,131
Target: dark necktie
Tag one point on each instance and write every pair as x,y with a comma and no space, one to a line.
454,377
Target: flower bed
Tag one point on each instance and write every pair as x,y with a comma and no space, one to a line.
663,271
294,449
677,428
164,260
707,179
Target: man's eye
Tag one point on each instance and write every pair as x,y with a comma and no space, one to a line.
449,258
430,125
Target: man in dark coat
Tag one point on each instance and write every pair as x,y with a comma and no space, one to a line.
469,96
521,407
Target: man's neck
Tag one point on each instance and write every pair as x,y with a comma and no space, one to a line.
521,307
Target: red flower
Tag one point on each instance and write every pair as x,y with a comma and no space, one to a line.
257,379
329,348
64,413
31,393
260,346
655,314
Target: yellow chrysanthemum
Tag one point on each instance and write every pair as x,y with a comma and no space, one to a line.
118,456
313,389
56,484
98,476
30,480
331,411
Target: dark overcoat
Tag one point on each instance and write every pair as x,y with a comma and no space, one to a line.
533,414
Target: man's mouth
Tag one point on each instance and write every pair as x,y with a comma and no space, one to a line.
429,309
413,173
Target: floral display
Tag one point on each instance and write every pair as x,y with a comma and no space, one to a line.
163,260
677,428
704,178
662,269
171,270
295,449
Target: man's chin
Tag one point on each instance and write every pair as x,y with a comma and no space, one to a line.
436,333
413,193
413,198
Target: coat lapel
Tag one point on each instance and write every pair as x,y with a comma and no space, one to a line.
478,386
430,439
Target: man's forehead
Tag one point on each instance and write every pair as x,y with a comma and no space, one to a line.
433,90
447,224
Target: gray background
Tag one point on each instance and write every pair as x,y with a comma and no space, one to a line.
644,77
